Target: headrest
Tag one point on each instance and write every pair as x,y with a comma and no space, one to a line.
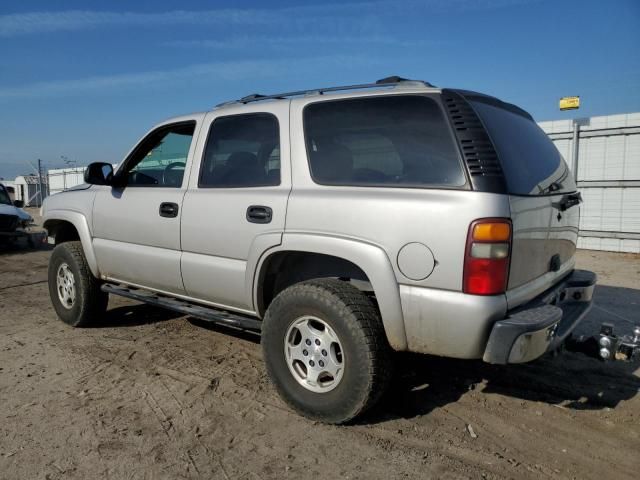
332,162
242,160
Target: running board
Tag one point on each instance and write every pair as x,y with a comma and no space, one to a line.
202,312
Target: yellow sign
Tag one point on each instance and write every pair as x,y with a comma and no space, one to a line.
569,103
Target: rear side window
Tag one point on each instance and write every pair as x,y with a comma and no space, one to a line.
242,151
530,161
395,141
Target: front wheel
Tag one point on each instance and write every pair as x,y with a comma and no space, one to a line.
75,293
326,350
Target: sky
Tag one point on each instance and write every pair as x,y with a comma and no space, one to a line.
84,80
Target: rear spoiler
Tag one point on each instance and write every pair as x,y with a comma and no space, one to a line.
496,102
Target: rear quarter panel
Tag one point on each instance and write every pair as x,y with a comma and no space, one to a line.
392,218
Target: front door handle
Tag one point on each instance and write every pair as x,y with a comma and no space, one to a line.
168,209
259,214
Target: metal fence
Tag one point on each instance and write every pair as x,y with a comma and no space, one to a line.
62,179
604,154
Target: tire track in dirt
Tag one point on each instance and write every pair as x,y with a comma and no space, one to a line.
94,403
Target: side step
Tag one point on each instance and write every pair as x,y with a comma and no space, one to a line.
202,312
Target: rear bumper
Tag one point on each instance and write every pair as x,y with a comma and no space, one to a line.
543,323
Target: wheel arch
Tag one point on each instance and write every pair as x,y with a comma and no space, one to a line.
67,226
360,260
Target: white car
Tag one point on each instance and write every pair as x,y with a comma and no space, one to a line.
13,220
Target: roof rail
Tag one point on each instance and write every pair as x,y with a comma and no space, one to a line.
384,82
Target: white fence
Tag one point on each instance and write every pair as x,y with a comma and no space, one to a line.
61,179
605,153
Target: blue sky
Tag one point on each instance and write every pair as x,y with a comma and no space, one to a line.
85,79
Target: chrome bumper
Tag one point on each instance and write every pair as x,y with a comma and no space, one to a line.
542,324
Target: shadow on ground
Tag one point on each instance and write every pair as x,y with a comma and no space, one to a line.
423,383
573,379
617,305
135,315
246,335
21,247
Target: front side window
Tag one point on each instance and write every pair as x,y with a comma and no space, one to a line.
242,151
160,159
396,141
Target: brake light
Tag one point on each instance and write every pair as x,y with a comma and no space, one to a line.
486,263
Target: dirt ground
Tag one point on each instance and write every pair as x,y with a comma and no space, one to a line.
150,394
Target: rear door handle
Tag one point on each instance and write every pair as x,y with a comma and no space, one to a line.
569,201
168,209
259,214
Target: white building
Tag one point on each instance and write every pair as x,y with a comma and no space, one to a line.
29,189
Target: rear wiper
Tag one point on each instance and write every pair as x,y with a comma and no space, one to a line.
554,187
568,201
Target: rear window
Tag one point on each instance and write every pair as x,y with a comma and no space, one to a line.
401,141
530,161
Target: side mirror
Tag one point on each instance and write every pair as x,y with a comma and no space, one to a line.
99,173
18,203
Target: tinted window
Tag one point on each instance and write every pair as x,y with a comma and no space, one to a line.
400,141
160,159
531,162
242,151
4,197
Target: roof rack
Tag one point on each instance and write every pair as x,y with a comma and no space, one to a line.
384,82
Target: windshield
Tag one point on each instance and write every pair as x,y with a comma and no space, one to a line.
4,197
531,162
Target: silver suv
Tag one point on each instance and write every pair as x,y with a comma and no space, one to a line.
343,224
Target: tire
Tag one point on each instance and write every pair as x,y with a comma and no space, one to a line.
88,303
355,325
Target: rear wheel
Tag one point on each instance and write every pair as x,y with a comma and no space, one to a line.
75,293
326,350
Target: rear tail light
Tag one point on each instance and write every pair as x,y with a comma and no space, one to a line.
486,262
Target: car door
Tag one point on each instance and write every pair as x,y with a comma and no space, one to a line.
235,207
136,225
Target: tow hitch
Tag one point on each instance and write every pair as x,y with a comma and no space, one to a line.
612,347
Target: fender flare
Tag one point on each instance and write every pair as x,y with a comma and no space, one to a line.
372,259
79,221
